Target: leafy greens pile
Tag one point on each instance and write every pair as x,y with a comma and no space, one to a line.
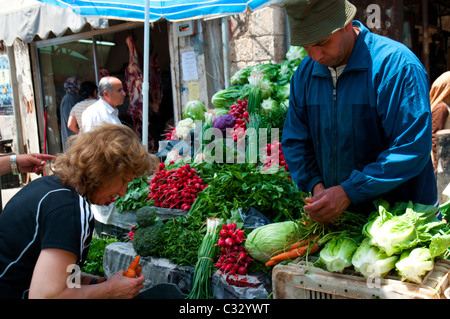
404,239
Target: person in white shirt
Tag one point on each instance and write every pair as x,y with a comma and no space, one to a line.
105,109
88,91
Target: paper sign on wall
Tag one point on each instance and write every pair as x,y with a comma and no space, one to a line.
189,65
194,93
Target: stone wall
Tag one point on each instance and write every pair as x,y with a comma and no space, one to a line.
257,37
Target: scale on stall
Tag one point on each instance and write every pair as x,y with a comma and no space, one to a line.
185,28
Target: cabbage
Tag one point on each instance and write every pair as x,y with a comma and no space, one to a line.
413,265
226,97
395,232
263,242
296,53
283,92
223,122
194,110
268,105
212,114
439,245
267,88
337,253
257,80
221,111
269,70
370,260
240,77
287,69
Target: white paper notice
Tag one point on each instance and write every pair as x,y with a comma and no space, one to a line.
189,65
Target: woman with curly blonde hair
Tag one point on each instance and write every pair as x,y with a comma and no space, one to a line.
46,228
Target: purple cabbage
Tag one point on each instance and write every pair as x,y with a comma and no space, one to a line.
223,122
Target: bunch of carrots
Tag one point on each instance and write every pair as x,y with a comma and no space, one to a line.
299,249
134,269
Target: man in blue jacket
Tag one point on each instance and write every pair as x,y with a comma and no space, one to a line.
358,126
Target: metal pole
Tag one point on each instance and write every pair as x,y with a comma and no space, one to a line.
145,85
226,53
425,37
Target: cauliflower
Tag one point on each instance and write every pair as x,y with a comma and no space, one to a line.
183,127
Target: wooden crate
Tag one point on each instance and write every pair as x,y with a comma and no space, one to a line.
304,281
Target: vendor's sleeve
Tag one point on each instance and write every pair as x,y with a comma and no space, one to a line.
404,110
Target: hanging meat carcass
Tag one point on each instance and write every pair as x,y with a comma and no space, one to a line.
155,93
134,81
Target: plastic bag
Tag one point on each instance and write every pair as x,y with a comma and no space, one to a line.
253,218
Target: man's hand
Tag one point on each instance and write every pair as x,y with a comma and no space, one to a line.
32,163
326,204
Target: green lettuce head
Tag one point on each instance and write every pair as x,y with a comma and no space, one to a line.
370,260
412,266
337,253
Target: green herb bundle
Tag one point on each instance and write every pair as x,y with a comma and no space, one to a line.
207,252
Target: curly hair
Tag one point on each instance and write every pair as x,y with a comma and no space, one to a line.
94,158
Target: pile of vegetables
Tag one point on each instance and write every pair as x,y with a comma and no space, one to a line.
402,240
176,188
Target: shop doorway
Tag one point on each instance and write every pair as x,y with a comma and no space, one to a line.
88,58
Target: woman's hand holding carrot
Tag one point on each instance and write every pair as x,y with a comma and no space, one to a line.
123,287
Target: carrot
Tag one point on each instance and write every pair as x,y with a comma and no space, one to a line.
130,272
270,263
303,242
138,269
132,268
135,262
294,253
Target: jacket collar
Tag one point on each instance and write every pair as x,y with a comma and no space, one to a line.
360,57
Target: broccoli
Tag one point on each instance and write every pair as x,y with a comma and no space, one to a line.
146,239
145,216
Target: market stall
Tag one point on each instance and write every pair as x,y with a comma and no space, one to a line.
240,230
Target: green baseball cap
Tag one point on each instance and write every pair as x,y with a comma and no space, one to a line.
313,20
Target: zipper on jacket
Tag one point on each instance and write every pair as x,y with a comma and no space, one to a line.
335,135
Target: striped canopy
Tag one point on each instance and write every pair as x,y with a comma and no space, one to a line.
171,10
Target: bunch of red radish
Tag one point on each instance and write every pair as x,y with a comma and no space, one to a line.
171,134
275,156
239,111
176,188
233,258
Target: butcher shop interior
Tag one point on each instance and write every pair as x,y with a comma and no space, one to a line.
120,54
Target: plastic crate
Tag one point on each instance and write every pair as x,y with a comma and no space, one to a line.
110,231
304,281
